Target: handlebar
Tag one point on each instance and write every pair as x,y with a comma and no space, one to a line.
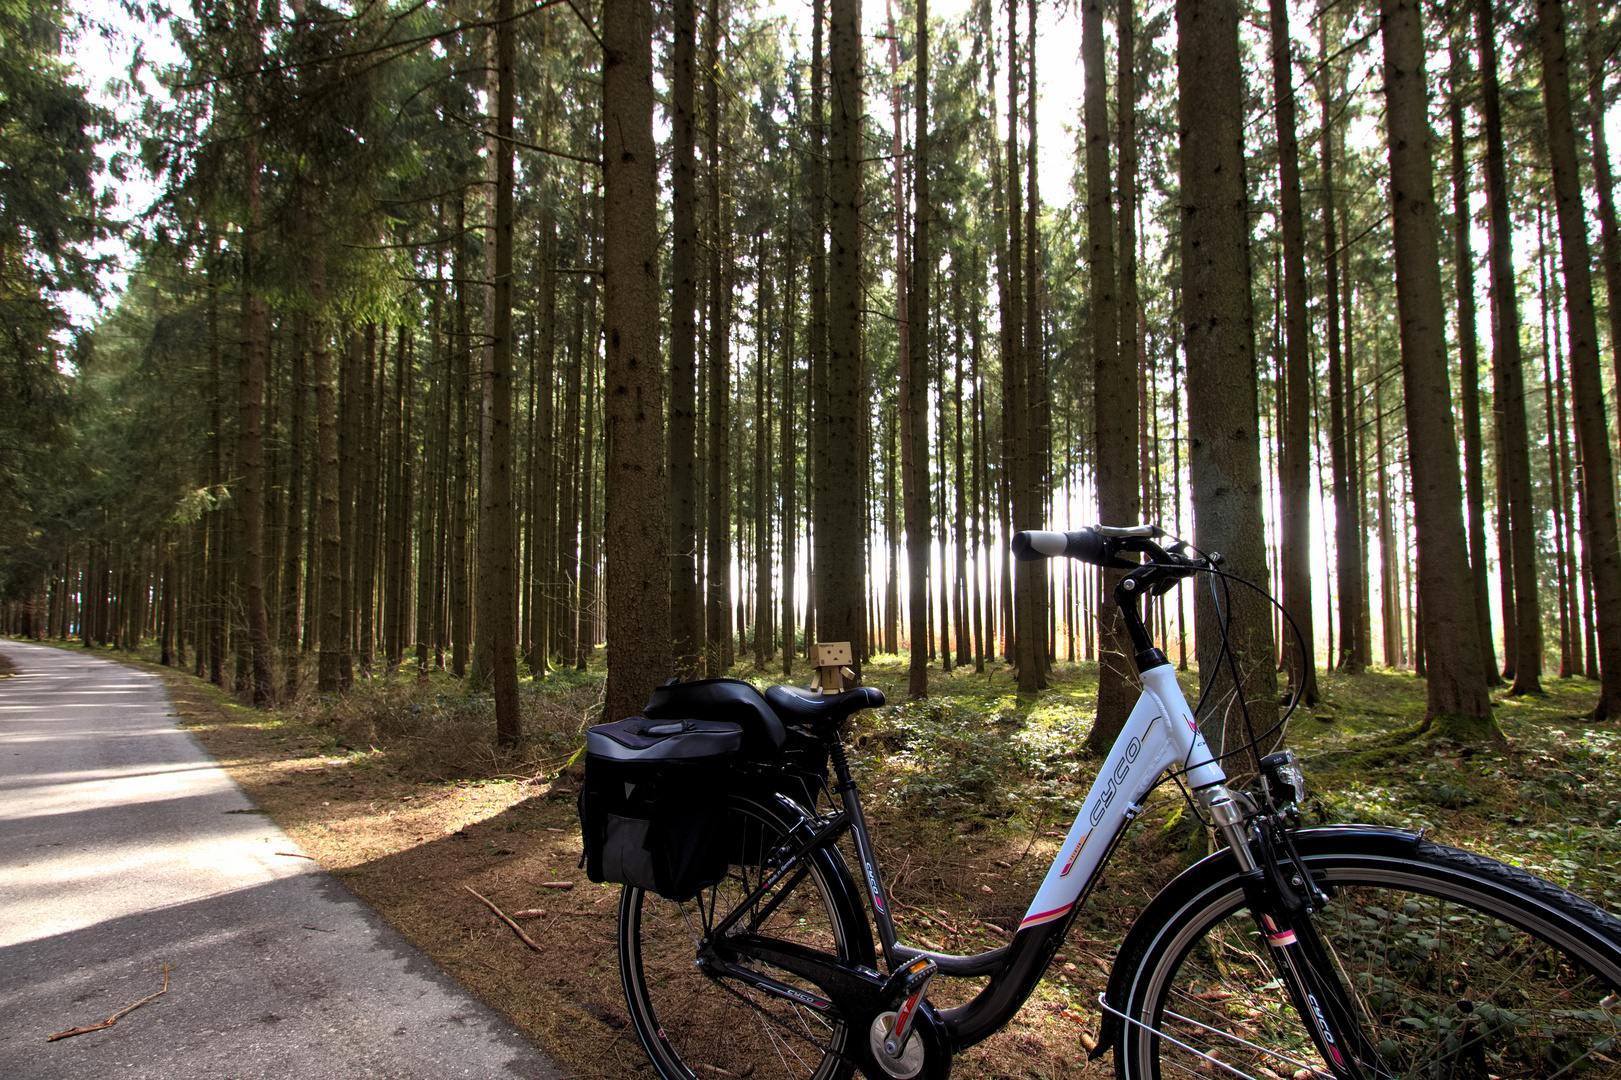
1106,545
1084,545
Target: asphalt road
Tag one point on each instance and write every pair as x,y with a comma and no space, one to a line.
125,849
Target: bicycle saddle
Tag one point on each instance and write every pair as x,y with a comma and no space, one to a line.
720,699
798,705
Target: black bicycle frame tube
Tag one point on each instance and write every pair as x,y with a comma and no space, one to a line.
877,896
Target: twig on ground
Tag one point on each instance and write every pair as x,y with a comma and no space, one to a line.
516,929
557,884
935,918
113,1019
296,855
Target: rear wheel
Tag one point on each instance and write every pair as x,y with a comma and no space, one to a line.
699,1025
1457,966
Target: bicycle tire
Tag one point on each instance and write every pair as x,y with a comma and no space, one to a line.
697,1026
1460,967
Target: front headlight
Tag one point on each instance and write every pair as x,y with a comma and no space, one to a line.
1285,779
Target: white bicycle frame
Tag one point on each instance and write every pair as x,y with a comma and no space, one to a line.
1159,734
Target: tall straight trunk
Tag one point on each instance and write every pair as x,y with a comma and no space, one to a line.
430,520
497,578
840,519
1114,384
638,572
293,549
915,400
786,466
718,556
686,604
1568,473
570,488
942,470
890,634
590,533
1389,587
977,469
349,399
959,498
1219,336
214,604
1347,534
1294,485
405,501
1039,392
332,674
366,502
460,607
1356,454
1456,683
1015,401
446,345
762,458
542,584
1603,180
1510,394
1600,539
816,392
1474,450
1552,348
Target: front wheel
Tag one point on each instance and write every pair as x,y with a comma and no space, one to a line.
699,1023
1457,966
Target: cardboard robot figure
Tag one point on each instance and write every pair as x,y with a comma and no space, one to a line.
832,673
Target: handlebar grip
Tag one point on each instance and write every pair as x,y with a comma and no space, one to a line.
1082,544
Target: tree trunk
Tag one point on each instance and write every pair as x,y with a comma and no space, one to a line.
1114,383
915,385
292,568
1039,396
332,676
686,604
1609,233
250,439
1510,396
718,557
1474,450
638,573
1219,338
1456,683
1294,484
841,517
1599,532
497,578
1347,534
789,531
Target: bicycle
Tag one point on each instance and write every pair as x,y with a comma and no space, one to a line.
1345,951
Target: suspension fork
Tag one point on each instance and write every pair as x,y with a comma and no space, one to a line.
1282,898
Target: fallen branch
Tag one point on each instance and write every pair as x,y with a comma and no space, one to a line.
113,1019
516,929
296,855
557,884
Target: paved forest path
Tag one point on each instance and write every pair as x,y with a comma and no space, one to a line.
124,848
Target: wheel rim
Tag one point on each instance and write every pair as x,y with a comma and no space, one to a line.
696,1025
1444,989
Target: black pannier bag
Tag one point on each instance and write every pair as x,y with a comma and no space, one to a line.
653,806
783,759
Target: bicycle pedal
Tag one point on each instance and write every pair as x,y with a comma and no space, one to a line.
908,981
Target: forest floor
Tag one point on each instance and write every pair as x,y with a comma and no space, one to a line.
399,791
